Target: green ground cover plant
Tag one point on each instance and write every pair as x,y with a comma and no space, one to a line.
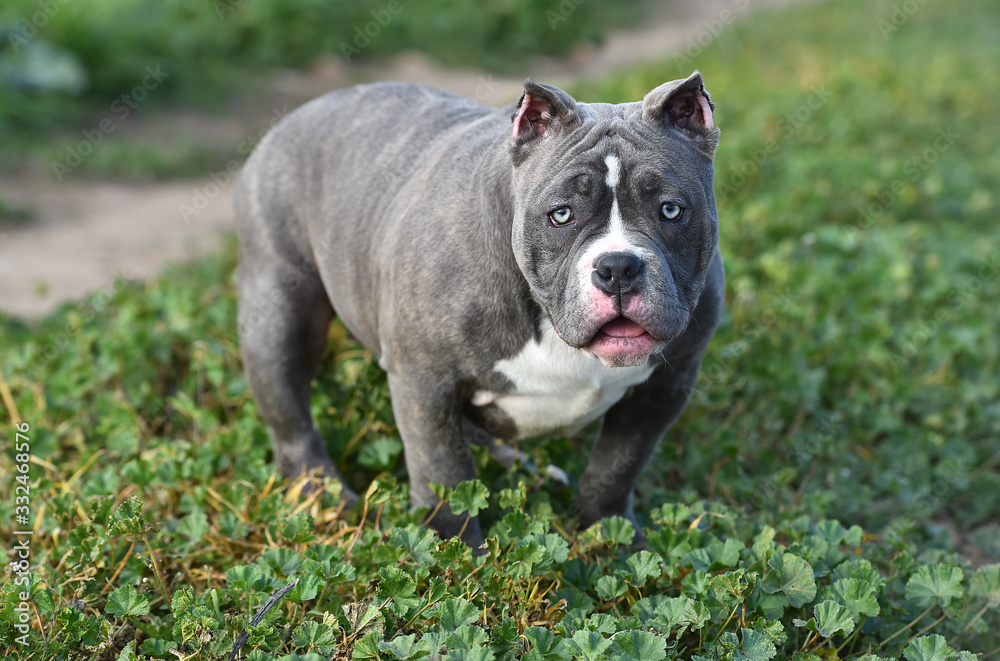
832,491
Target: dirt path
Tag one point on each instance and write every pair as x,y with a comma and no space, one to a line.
86,232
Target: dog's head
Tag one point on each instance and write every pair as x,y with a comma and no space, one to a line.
615,223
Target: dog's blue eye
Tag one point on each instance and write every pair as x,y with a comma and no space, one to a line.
671,211
561,216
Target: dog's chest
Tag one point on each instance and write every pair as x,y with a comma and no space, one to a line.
558,388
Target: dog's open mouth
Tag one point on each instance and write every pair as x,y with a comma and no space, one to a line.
621,342
622,328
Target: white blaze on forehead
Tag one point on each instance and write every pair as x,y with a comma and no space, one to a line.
616,228
613,171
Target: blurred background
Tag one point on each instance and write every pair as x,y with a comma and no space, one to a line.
185,89
855,375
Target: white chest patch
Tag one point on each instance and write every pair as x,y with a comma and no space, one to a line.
558,388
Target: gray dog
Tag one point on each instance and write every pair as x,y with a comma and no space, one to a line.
518,272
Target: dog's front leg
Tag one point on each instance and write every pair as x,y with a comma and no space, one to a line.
430,423
629,435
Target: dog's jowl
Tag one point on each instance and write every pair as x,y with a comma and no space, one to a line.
523,270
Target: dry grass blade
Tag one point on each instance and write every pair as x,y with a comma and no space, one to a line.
259,615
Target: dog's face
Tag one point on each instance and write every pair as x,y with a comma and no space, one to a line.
615,223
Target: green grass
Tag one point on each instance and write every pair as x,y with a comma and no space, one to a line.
824,496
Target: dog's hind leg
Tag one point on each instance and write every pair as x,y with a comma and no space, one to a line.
284,316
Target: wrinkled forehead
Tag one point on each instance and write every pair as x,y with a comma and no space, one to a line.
614,139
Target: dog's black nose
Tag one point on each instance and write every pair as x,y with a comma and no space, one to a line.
616,272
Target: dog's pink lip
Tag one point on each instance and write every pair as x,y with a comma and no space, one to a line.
621,327
622,342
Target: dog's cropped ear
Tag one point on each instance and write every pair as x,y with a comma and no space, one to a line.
542,112
686,106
